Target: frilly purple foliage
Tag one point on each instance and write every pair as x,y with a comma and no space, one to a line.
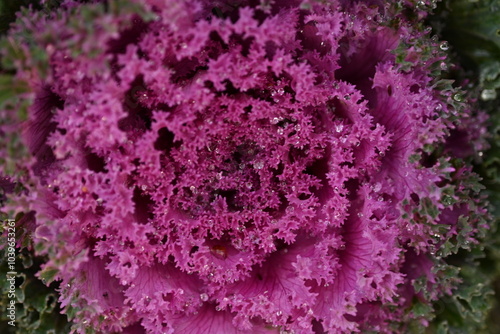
237,167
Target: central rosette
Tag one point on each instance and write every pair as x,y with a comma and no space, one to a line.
240,180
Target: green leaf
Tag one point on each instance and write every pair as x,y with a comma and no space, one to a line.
48,274
473,30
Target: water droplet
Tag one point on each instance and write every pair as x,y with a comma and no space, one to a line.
438,107
274,120
443,66
444,46
447,200
458,97
339,127
347,97
258,165
204,297
279,313
488,94
297,127
360,214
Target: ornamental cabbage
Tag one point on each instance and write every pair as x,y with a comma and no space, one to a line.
243,166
